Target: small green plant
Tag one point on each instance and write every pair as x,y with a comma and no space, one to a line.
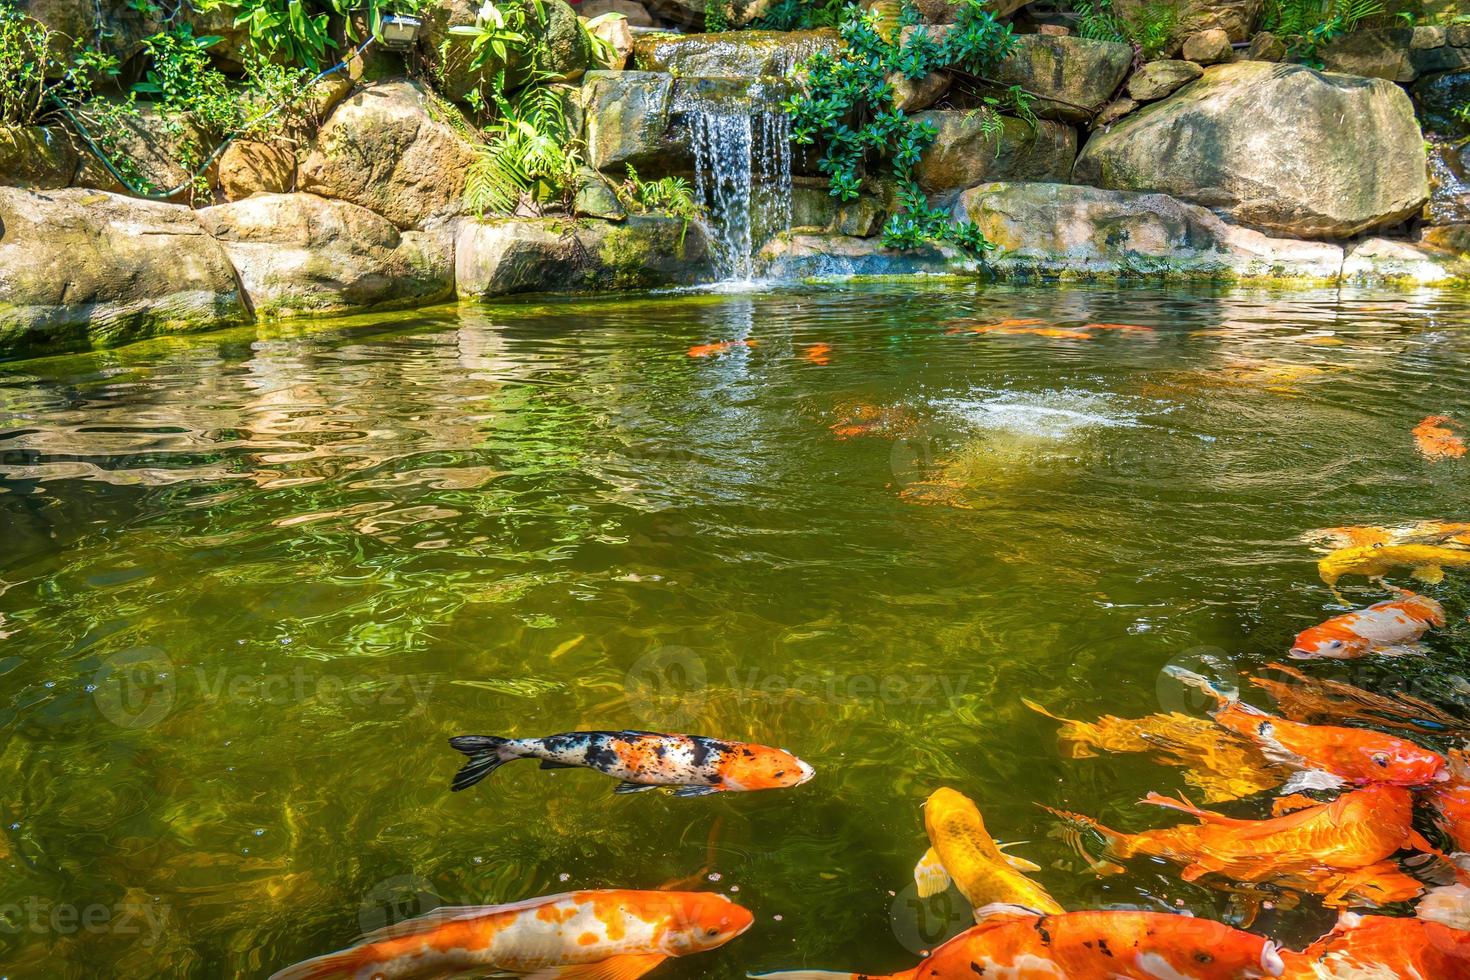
848,106
716,16
530,155
667,195
800,15
38,73
300,31
1307,25
1148,31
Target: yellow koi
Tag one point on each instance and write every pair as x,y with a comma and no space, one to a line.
963,852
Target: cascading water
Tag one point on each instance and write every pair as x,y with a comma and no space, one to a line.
742,174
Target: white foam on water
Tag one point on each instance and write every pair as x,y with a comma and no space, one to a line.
1051,414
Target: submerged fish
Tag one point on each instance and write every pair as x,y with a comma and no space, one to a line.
817,353
1438,437
1053,333
863,419
1101,945
1119,327
1381,628
1326,755
1220,764
965,325
611,934
1428,562
642,760
1419,532
1306,698
964,852
719,347
1338,849
1377,947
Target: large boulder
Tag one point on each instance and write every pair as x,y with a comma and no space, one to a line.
731,52
1439,98
300,253
1083,233
500,256
966,152
566,51
38,157
1160,79
1072,76
828,256
254,167
627,117
1282,148
395,149
80,268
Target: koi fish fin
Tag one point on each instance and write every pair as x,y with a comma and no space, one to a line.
688,792
997,912
1076,734
1182,804
1223,695
626,787
1307,779
334,966
929,875
485,758
1433,574
629,966
550,764
1281,806
809,975
1193,872
1015,860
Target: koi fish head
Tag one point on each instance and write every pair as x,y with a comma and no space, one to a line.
750,767
703,921
1383,759
948,812
1204,953
1330,640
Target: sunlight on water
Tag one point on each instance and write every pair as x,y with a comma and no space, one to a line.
252,581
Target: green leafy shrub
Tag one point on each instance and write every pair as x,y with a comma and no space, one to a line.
848,106
37,73
1149,31
300,31
1306,25
530,156
668,195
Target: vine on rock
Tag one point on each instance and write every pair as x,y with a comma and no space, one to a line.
849,105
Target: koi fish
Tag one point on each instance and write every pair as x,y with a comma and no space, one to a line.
1053,333
1451,802
1336,849
1327,755
1120,327
641,760
971,326
1360,536
818,353
964,852
1102,945
1428,562
1306,698
1383,627
862,419
611,934
1220,764
1438,437
719,347
1378,947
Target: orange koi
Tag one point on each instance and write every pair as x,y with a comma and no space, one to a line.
719,347
1383,627
1377,946
1438,437
972,326
1447,533
1452,813
818,353
1221,765
1338,849
1120,327
861,419
1306,698
1054,333
642,761
1101,945
1328,755
611,934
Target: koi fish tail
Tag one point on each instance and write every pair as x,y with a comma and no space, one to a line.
487,753
333,966
1115,842
1078,737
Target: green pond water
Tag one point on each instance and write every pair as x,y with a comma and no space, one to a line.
250,582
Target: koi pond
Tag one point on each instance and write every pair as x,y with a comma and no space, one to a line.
251,582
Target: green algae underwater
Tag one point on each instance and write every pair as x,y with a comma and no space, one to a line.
250,583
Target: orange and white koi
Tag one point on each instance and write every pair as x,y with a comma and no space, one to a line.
1220,764
1377,947
1384,627
719,347
1338,849
1327,756
1438,437
1102,945
963,852
642,761
611,934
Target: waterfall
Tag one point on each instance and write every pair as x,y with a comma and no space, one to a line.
742,174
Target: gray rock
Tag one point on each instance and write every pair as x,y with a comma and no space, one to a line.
964,154
627,117
1160,79
1372,54
1283,148
1385,261
1083,232
38,157
520,255
1209,47
825,256
81,268
1266,46
731,53
393,148
596,198
1073,76
300,254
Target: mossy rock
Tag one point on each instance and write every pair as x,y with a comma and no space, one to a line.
38,157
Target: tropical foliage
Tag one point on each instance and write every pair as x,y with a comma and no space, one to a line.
531,155
1306,25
